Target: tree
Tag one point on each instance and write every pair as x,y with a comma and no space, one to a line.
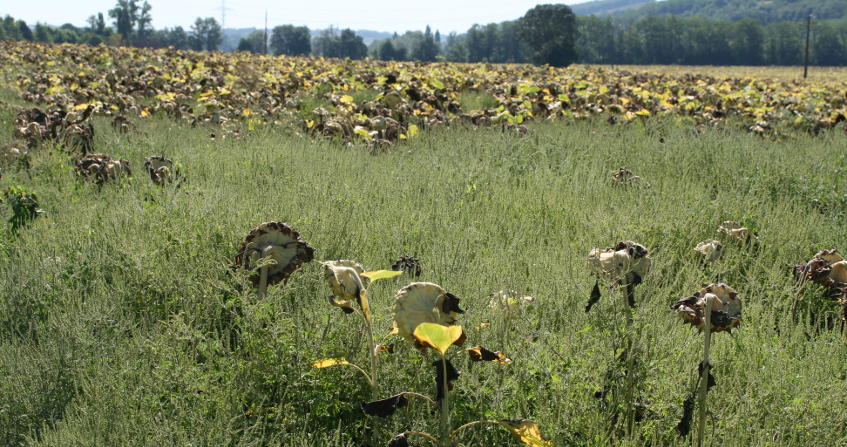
425,49
550,32
346,44
42,33
291,40
206,34
97,24
125,15
24,31
387,51
144,22
352,45
253,42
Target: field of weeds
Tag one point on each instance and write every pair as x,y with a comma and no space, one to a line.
132,313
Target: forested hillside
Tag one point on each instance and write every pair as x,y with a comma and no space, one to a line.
605,7
767,11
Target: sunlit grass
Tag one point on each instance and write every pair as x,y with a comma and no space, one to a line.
120,324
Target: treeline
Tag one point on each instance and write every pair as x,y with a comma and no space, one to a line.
648,40
768,11
701,41
130,26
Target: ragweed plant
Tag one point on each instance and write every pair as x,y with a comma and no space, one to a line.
24,206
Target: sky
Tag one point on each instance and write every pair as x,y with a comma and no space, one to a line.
377,15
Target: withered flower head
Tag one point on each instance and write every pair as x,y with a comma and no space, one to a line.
160,169
710,249
741,234
408,264
624,177
102,168
282,243
423,302
623,264
726,307
344,281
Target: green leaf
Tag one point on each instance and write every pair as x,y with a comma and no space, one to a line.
436,83
381,274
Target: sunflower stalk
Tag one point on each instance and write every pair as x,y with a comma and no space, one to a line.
446,440
704,374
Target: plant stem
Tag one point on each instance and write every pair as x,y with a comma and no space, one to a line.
263,281
629,419
445,406
372,353
704,375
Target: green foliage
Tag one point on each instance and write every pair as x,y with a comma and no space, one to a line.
120,324
347,44
206,34
254,42
550,32
291,40
733,10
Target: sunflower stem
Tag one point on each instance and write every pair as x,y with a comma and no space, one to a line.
263,281
446,441
629,307
372,354
704,374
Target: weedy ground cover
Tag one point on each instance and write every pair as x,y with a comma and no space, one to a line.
121,322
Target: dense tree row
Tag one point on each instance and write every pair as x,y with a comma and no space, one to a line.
700,41
766,11
546,34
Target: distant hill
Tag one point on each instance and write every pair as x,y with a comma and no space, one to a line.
765,10
607,7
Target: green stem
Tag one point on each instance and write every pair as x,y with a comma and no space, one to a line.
373,356
704,375
263,282
629,419
471,424
445,406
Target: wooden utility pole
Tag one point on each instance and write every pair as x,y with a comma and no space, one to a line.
806,57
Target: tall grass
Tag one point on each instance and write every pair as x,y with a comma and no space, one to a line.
120,324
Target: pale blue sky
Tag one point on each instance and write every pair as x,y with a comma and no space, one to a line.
379,15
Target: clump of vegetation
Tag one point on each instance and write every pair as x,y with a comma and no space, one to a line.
711,250
24,204
162,170
102,168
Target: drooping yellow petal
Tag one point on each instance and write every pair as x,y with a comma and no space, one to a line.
526,431
381,274
326,363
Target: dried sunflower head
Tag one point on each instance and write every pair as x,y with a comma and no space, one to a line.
710,249
726,307
344,281
161,170
509,300
624,177
423,302
279,241
408,264
734,229
624,264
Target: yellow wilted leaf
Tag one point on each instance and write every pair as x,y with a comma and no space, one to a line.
381,274
438,337
412,131
346,99
326,363
526,431
80,106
